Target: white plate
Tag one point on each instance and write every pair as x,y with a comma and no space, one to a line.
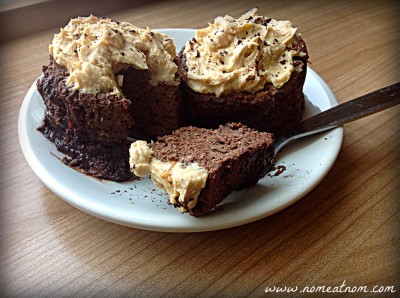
139,204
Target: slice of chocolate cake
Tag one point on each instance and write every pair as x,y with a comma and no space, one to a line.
249,70
199,167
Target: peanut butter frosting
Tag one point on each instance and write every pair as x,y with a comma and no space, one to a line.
94,49
234,55
183,183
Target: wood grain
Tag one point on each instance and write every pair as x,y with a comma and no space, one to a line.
346,229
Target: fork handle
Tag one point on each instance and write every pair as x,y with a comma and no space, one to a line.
351,110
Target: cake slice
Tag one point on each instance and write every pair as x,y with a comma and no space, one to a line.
199,167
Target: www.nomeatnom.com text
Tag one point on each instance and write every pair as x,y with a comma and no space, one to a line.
343,288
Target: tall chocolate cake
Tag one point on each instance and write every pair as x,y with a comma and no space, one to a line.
105,81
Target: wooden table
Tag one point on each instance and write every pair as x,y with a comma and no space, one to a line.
345,231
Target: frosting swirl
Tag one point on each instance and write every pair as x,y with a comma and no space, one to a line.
234,55
94,49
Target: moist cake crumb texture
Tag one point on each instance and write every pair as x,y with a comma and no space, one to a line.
233,155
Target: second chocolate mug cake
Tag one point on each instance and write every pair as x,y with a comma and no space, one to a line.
251,69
